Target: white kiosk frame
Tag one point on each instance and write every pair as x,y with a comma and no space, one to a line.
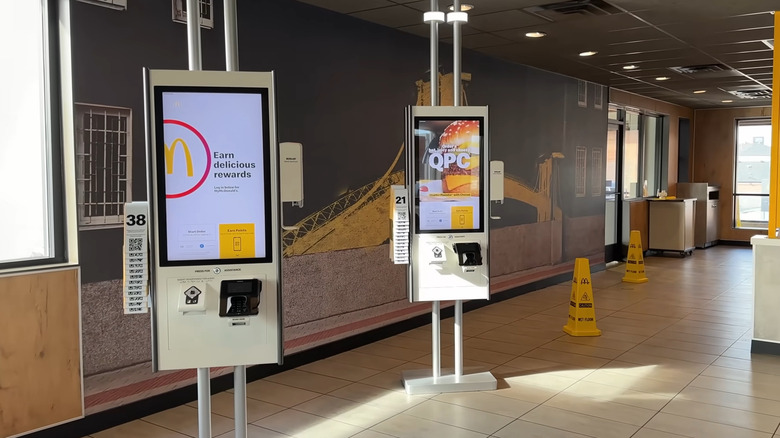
451,261
198,329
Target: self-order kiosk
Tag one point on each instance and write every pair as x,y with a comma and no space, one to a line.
214,209
449,203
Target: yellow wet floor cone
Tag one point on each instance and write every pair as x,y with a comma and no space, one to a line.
582,313
635,264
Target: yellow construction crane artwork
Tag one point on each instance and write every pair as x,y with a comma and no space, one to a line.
358,219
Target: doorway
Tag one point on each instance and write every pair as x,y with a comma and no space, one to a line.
614,190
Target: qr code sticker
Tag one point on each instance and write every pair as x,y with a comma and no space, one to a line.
135,243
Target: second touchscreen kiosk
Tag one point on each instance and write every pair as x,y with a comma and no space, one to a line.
449,201
215,219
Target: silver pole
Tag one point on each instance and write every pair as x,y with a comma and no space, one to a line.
193,34
456,43
204,403
434,56
436,305
204,381
458,340
239,401
456,40
436,334
231,36
239,372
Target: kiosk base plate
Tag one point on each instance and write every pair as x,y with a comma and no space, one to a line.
423,382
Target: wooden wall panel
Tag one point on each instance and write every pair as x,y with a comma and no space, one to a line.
40,351
713,155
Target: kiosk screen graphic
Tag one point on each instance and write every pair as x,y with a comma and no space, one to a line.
213,175
448,180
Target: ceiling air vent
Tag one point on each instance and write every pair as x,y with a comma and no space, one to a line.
572,9
697,69
757,93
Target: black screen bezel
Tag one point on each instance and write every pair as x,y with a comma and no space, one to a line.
417,165
162,224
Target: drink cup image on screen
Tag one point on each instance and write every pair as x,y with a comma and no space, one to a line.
461,139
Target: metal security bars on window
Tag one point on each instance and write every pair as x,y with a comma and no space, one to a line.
104,151
596,183
579,172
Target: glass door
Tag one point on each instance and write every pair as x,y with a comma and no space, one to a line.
613,189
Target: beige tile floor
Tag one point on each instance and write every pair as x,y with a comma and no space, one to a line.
673,361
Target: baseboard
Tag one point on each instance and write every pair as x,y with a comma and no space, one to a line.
733,243
132,411
764,347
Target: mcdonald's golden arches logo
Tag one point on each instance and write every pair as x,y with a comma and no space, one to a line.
170,153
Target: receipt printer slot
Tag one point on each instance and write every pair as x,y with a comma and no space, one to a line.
239,297
469,254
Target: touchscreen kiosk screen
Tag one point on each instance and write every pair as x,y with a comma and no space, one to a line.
448,177
213,181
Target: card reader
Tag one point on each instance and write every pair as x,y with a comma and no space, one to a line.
239,297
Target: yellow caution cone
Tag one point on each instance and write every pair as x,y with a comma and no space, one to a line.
635,265
582,313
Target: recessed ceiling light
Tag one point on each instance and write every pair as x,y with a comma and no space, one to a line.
699,91
630,67
662,78
463,7
727,101
588,53
536,34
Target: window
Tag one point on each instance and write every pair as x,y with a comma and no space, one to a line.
595,180
751,174
598,97
582,93
103,164
31,223
579,171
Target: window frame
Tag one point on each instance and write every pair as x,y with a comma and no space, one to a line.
735,194
56,68
80,109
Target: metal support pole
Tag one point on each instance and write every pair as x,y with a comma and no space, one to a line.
239,401
239,372
458,340
436,332
434,56
231,36
204,403
195,63
193,34
456,44
436,305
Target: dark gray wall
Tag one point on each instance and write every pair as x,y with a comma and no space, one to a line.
342,85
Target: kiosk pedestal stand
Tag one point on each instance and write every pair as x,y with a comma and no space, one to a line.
448,194
214,209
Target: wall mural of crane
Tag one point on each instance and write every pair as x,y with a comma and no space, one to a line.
359,217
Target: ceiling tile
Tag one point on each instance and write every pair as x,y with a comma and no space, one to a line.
653,34
347,6
479,40
504,20
393,16
445,31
